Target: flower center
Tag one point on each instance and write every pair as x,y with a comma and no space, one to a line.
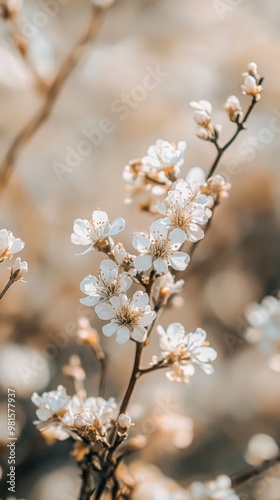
127,316
159,248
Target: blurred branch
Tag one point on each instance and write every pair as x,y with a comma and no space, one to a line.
9,284
54,91
247,475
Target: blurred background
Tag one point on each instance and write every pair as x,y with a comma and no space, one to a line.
196,50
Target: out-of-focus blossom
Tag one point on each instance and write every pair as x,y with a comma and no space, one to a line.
165,156
252,70
183,351
176,428
103,4
109,283
51,404
183,212
151,484
261,447
124,423
9,245
160,250
96,231
219,489
164,287
233,109
128,317
202,116
19,269
264,324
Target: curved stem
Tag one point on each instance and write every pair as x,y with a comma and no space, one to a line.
134,377
240,126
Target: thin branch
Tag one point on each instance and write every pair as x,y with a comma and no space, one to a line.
247,475
103,372
134,377
9,284
240,126
55,89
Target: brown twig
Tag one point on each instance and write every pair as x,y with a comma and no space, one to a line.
240,126
55,89
9,284
247,475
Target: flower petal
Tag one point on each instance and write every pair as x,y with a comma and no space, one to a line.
143,262
117,226
161,265
110,329
105,311
139,333
123,335
179,260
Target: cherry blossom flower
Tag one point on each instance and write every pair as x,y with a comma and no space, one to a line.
96,230
165,156
19,269
183,212
110,282
51,404
182,351
215,188
160,250
202,113
264,324
251,82
233,108
220,489
9,245
164,287
91,415
128,317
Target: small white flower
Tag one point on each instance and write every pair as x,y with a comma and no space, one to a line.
202,113
128,317
19,269
233,108
98,228
183,212
124,259
51,404
220,489
9,245
110,282
213,188
124,423
160,250
165,286
93,414
165,156
183,351
250,87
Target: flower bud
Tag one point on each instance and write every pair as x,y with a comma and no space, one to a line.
19,269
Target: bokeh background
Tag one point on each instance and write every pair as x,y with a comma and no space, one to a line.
202,47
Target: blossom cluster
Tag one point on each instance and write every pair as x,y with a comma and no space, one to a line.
9,246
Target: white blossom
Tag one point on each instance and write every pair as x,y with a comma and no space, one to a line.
264,323
19,269
91,414
160,250
213,188
182,351
97,229
185,213
124,423
251,87
164,287
110,282
124,259
233,108
9,245
164,155
128,317
202,113
219,489
51,404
